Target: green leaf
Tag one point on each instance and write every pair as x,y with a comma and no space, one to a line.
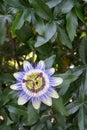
67,80
15,3
73,107
24,34
38,126
1,7
69,77
49,31
2,30
32,114
41,9
85,0
9,122
67,5
5,127
83,50
19,20
15,109
77,71
44,118
64,38
84,82
45,50
82,118
38,24
58,106
64,7
61,121
79,12
53,3
21,127
6,120
49,61
6,77
71,25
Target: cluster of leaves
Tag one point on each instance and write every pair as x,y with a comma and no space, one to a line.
55,31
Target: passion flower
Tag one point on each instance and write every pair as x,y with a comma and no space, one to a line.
36,84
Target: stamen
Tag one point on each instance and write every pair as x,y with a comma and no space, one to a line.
35,82
39,75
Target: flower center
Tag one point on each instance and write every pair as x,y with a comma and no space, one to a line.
35,82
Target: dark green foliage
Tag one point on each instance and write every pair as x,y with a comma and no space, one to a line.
56,32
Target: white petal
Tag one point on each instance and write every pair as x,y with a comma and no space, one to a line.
17,86
54,94
27,66
47,101
36,104
22,100
55,81
50,71
40,65
18,75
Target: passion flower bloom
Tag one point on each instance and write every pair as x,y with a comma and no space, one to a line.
36,84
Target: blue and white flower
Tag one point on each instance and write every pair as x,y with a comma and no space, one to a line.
36,84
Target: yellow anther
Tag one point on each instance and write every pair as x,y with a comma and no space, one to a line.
34,82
